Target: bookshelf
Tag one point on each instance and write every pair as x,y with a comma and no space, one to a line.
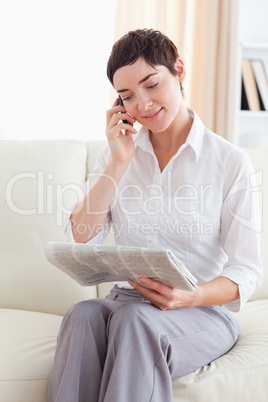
252,126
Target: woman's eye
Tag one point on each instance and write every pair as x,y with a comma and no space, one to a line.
152,86
127,98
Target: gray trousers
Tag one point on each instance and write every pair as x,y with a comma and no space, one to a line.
123,349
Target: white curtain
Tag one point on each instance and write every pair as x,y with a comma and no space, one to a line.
53,56
206,34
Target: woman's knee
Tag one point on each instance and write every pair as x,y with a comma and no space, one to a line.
86,311
129,317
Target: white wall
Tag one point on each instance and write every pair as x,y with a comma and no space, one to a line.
253,27
53,56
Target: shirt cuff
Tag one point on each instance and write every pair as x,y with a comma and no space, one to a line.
67,231
247,284
69,238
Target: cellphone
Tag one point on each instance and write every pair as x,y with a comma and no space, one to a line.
122,104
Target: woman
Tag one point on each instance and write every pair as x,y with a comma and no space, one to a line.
175,185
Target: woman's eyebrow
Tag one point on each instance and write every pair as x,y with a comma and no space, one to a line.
140,82
146,78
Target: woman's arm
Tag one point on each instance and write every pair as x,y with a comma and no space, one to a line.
220,290
89,216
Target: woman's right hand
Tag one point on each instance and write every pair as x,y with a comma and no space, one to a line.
121,144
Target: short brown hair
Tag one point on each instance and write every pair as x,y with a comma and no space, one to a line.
155,47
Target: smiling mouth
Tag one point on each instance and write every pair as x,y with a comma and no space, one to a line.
154,115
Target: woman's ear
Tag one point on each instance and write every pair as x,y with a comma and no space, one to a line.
181,70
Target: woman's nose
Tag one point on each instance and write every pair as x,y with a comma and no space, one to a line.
144,103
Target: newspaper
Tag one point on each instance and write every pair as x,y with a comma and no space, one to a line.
93,264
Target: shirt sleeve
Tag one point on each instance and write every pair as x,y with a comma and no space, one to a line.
98,170
241,227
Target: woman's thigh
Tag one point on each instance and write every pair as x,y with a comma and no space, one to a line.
190,338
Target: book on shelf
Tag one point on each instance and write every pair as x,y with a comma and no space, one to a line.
244,99
261,81
250,86
254,88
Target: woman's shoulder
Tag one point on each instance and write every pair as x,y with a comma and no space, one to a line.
219,146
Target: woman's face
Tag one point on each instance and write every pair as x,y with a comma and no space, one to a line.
150,94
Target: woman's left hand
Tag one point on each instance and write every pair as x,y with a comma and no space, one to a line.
164,297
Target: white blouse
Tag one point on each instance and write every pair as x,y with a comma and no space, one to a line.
203,206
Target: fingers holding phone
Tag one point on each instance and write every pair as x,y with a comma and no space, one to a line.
119,132
117,115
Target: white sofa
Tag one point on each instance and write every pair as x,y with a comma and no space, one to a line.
41,179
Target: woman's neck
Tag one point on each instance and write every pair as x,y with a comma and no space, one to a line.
171,139
166,144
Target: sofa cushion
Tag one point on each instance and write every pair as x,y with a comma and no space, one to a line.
39,182
27,347
240,374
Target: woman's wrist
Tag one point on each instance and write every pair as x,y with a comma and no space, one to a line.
115,169
198,297
220,290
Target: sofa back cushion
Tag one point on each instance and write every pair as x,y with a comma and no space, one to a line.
39,182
